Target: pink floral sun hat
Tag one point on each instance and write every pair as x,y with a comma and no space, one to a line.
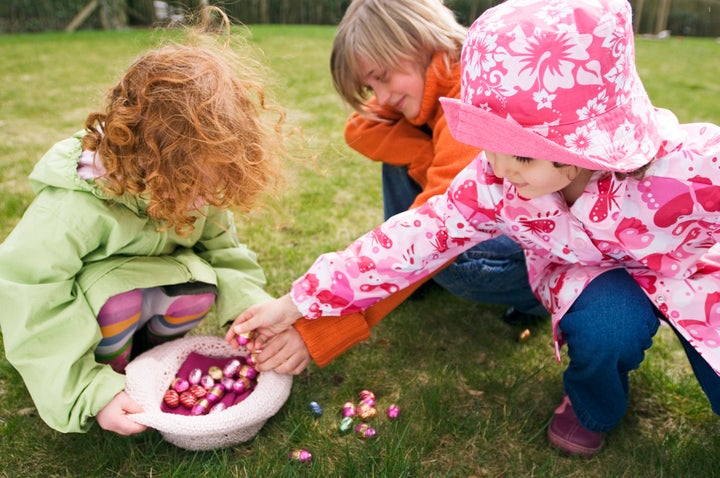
555,80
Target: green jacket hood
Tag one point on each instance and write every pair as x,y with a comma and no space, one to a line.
58,168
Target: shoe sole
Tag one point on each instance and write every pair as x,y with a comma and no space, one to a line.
571,448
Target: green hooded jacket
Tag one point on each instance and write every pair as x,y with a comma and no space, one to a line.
74,248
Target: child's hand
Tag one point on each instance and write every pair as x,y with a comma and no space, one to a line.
284,353
113,417
267,319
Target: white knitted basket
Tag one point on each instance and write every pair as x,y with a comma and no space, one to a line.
150,374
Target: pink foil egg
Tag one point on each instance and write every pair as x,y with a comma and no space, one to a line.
366,396
201,407
215,394
218,407
179,384
207,382
194,376
393,411
247,371
227,383
303,456
252,358
241,385
244,339
348,409
231,368
365,431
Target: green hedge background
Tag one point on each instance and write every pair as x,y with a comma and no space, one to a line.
680,17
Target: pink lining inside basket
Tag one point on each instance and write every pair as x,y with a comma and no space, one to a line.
196,360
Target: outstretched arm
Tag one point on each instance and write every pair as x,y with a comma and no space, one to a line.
267,319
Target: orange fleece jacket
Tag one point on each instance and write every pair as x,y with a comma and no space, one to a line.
433,157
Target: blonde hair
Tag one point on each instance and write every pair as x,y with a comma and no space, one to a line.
386,32
185,127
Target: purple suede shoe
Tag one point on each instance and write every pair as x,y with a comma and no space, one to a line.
567,434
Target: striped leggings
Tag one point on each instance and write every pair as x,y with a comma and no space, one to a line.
139,319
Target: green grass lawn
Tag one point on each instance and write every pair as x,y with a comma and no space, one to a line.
474,399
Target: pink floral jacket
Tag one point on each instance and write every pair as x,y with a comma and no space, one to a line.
663,229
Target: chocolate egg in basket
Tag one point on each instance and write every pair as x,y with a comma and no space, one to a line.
173,383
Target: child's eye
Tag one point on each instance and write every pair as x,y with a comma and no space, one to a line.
523,159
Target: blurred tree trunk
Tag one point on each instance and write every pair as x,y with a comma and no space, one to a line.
637,15
113,14
264,11
285,11
662,18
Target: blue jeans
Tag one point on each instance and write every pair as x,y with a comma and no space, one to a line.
607,331
492,272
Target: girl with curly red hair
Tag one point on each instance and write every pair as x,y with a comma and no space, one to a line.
130,240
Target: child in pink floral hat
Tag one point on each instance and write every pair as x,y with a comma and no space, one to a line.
614,202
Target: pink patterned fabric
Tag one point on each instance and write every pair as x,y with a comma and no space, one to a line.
663,229
521,59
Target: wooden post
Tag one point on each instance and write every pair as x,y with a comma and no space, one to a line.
662,18
637,15
81,16
113,14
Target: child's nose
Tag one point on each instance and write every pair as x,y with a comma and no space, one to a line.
499,167
382,95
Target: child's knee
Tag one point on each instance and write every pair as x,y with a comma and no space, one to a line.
195,305
121,307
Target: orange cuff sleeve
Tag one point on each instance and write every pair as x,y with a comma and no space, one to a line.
329,337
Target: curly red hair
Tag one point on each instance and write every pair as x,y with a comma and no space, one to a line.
184,127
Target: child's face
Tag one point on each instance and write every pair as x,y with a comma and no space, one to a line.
537,177
400,88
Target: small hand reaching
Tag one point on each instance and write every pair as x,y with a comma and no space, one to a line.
114,416
267,320
284,353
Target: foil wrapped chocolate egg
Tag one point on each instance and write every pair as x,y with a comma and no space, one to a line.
247,371
366,396
215,394
198,390
227,383
393,411
244,339
216,373
346,424
364,430
302,456
315,408
231,368
348,409
241,385
365,411
180,384
207,382
251,359
171,398
194,376
187,399
218,407
201,407
524,335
